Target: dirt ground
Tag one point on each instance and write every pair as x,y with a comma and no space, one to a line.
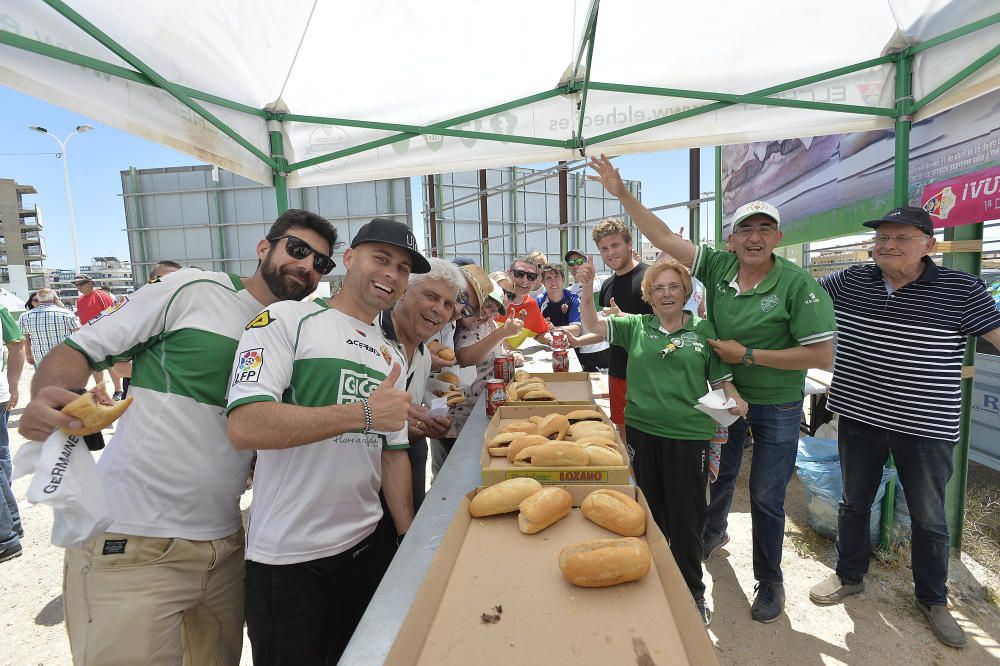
880,625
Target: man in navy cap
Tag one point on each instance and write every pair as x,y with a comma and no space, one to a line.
902,326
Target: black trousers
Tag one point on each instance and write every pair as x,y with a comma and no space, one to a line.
418,470
673,475
594,361
305,613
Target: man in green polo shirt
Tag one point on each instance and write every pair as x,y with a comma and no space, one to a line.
774,322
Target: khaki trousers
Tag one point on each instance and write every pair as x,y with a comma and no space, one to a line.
134,600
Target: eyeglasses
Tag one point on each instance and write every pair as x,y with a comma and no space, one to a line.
902,239
509,294
762,229
520,275
576,262
463,300
664,288
299,249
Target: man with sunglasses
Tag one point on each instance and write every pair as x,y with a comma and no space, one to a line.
321,395
523,275
591,349
774,322
165,583
902,327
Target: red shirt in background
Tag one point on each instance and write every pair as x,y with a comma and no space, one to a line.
93,304
534,323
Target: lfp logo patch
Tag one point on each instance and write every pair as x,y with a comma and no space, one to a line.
249,365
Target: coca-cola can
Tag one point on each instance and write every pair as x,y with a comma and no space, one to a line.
500,368
509,359
559,340
496,395
560,360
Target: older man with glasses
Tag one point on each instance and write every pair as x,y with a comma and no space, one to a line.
773,322
903,323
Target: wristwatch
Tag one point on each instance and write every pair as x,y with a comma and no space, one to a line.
747,357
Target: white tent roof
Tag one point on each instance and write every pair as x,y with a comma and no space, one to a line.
420,63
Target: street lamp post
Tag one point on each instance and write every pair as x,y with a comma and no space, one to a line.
80,129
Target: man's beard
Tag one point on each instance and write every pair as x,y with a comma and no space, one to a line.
283,289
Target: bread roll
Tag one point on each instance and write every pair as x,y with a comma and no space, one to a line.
504,497
521,375
614,511
539,396
512,390
455,398
585,428
522,443
446,353
93,416
605,562
553,426
449,378
519,426
602,456
498,445
559,455
578,415
544,508
523,457
596,440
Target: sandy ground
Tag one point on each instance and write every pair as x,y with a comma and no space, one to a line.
880,625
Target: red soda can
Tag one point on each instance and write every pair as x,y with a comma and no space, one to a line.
496,395
500,368
560,360
559,339
510,367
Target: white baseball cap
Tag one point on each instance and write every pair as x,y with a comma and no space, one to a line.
756,208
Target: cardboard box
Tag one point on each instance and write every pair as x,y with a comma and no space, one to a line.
496,470
483,564
569,388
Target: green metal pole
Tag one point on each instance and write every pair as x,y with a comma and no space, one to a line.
720,242
281,172
954,497
900,197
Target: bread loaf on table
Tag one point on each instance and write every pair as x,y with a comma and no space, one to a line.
544,508
614,511
605,562
559,455
504,497
498,445
602,456
522,443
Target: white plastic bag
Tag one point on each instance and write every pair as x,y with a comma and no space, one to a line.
65,478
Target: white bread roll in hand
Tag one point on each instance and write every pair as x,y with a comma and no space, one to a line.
605,562
504,497
93,416
614,511
544,508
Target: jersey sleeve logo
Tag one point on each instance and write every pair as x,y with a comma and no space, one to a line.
261,320
249,366
111,309
386,355
811,298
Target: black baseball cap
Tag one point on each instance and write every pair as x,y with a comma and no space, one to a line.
391,232
915,217
579,252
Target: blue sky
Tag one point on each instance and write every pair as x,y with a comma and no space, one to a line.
97,158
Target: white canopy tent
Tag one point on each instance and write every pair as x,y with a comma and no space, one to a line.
399,88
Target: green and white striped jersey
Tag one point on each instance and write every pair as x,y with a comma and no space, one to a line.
319,499
170,471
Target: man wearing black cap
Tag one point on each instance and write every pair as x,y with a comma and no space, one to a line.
320,394
592,350
902,323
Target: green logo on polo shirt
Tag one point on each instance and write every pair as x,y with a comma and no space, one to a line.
768,303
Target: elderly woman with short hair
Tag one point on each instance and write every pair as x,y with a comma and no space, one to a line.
670,366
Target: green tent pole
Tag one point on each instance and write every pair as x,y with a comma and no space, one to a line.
281,172
900,197
954,496
720,242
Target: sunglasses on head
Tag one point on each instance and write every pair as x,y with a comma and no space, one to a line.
463,300
520,275
299,249
509,294
576,262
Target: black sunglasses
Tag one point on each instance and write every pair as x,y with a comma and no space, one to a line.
520,275
299,249
463,300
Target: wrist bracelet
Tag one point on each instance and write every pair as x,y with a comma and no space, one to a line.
369,421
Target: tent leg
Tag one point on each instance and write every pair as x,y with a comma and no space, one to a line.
694,193
280,174
720,242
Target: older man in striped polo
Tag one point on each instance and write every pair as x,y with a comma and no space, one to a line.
902,324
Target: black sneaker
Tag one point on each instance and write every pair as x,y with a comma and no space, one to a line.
11,551
706,612
768,603
713,544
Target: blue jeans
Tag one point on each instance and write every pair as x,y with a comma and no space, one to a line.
924,465
775,441
10,517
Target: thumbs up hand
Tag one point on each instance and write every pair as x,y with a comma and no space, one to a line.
614,310
389,405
